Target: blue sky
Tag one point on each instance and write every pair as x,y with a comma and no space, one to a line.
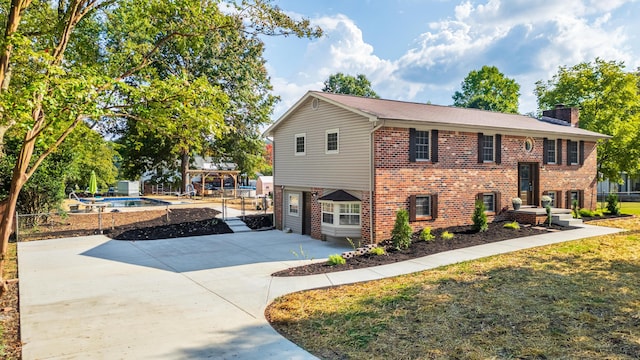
421,50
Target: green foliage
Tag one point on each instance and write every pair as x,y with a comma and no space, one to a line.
488,89
512,225
613,205
479,217
426,234
377,251
447,235
340,83
301,254
587,213
336,259
575,209
401,233
609,103
353,245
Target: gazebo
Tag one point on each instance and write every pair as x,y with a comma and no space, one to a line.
203,173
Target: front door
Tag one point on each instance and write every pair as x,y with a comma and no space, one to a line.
306,213
527,182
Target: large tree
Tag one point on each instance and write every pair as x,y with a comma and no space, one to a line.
609,103
232,61
340,83
70,62
488,89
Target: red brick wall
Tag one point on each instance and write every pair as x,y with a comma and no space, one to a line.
277,206
316,214
458,177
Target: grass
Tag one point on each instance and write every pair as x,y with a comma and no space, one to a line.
573,300
631,208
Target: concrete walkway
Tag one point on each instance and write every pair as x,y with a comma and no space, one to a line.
190,298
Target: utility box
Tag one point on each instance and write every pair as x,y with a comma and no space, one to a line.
128,188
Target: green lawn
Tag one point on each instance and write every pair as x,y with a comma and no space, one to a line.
631,208
575,300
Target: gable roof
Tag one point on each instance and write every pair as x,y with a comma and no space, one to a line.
381,109
339,195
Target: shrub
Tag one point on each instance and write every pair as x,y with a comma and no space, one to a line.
587,213
512,225
613,206
377,251
575,209
426,234
479,217
336,260
401,233
447,235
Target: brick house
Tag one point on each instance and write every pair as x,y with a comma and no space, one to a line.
343,165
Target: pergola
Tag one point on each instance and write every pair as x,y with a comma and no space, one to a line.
219,173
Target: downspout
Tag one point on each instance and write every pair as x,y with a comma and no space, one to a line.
372,175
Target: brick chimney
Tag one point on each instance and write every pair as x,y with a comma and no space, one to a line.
570,115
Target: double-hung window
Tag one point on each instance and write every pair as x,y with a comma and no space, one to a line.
422,145
327,213
423,207
349,213
332,141
551,152
489,200
572,152
294,204
300,144
489,148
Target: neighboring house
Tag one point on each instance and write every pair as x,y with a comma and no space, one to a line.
343,165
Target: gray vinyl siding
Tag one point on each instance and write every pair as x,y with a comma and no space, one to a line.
341,232
291,221
349,168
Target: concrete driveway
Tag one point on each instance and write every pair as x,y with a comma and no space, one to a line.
198,297
189,298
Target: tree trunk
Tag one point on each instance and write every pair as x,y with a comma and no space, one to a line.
18,180
184,166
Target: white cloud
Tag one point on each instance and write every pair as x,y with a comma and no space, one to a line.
526,40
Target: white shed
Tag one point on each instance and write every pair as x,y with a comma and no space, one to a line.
264,185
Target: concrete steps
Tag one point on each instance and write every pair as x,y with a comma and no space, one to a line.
237,225
565,220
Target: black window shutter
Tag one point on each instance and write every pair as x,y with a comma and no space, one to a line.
558,198
412,208
434,206
434,146
581,198
568,152
498,201
480,159
581,155
559,152
545,149
498,149
412,145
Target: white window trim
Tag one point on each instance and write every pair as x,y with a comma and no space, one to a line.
422,216
555,151
577,143
326,141
493,140
429,139
289,203
333,212
336,214
295,144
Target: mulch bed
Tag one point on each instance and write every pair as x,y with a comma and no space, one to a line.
464,236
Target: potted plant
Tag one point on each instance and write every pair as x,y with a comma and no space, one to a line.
545,200
516,202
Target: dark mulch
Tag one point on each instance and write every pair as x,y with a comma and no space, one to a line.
258,222
464,236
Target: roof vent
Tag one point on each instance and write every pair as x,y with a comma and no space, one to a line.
314,104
